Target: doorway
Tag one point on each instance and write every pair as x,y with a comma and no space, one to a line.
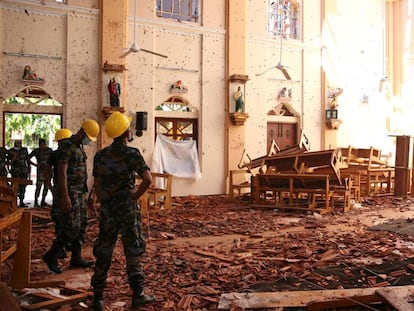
29,115
29,128
283,134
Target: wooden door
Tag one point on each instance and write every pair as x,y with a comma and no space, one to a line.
284,134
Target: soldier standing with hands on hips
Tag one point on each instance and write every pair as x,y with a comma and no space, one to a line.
115,168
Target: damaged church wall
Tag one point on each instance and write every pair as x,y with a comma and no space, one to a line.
197,56
301,57
356,66
61,46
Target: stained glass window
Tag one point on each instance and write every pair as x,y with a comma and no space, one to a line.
284,18
182,10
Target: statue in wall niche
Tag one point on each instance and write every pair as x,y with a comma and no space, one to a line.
178,87
29,74
238,97
114,89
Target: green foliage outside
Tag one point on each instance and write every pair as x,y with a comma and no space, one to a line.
30,127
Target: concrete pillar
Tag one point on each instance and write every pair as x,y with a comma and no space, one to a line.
236,65
113,40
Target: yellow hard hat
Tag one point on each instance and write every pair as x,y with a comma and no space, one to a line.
117,124
62,134
91,129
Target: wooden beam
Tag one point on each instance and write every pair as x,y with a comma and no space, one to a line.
300,298
395,298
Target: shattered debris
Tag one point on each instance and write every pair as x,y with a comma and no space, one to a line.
208,246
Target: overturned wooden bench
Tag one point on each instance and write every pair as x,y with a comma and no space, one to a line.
293,191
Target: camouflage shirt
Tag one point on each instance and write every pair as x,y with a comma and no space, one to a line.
116,167
41,155
73,155
20,156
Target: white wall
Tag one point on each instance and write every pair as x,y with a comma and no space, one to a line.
197,56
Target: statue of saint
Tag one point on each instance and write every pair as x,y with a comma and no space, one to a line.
238,97
29,74
114,89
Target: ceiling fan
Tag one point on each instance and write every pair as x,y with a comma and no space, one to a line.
134,46
279,65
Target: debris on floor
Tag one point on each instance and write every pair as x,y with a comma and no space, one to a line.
210,246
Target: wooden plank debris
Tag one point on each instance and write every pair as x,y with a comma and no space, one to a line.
300,298
7,300
397,299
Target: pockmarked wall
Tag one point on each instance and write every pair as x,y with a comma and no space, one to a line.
60,44
300,56
336,47
65,42
196,56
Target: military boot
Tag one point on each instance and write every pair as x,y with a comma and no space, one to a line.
140,299
76,260
43,203
50,258
98,301
62,253
21,202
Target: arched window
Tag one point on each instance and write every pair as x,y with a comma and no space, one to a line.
177,119
30,114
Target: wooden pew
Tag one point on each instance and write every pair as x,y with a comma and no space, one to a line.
293,191
21,282
329,159
8,193
247,162
375,177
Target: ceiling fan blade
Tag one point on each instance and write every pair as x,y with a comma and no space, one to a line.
125,53
134,47
285,73
259,74
155,53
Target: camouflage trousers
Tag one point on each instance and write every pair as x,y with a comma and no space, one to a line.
124,218
40,182
70,227
20,172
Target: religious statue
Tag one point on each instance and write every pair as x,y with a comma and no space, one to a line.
238,97
178,87
114,89
29,74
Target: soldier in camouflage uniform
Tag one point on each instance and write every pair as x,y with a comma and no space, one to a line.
20,167
52,173
4,161
41,154
70,195
114,169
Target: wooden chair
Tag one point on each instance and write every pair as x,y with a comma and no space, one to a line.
239,182
158,195
20,250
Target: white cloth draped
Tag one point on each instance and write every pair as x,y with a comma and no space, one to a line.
178,158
